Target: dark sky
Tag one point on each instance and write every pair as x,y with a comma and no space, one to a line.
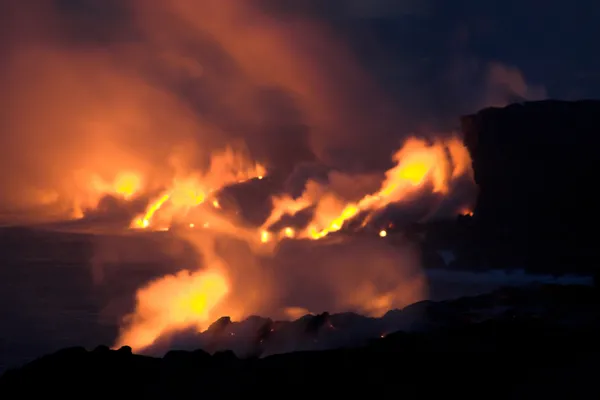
553,42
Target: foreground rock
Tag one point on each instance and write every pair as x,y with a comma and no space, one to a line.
260,337
536,166
525,342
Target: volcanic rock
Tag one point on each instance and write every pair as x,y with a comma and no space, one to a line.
260,337
539,341
536,166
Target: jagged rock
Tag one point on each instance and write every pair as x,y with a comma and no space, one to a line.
102,349
540,340
187,357
536,166
314,324
219,325
258,336
125,350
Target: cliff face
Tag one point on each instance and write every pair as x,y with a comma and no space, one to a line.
536,166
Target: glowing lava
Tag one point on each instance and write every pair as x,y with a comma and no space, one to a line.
172,303
420,165
189,191
189,299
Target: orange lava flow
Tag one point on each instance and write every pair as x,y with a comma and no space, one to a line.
419,164
191,190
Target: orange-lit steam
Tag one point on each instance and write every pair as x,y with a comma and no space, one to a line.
174,303
88,189
122,105
186,193
419,166
196,96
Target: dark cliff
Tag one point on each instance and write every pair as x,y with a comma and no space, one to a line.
535,165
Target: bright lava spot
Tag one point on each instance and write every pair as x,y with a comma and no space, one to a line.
264,236
415,173
382,233
289,232
127,184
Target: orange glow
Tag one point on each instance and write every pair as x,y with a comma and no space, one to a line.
89,189
127,184
289,232
189,191
172,303
416,162
414,173
144,221
195,299
112,120
467,213
286,205
335,224
419,166
265,236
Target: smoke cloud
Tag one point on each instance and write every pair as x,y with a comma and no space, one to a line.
96,87
116,98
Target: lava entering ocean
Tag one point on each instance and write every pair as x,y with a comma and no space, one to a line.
155,115
196,298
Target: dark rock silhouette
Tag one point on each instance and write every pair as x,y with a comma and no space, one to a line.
536,167
513,343
535,164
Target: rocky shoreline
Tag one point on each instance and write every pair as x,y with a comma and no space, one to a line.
518,342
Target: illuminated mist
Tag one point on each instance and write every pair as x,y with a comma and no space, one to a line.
161,106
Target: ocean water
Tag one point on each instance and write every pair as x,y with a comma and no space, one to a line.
53,294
